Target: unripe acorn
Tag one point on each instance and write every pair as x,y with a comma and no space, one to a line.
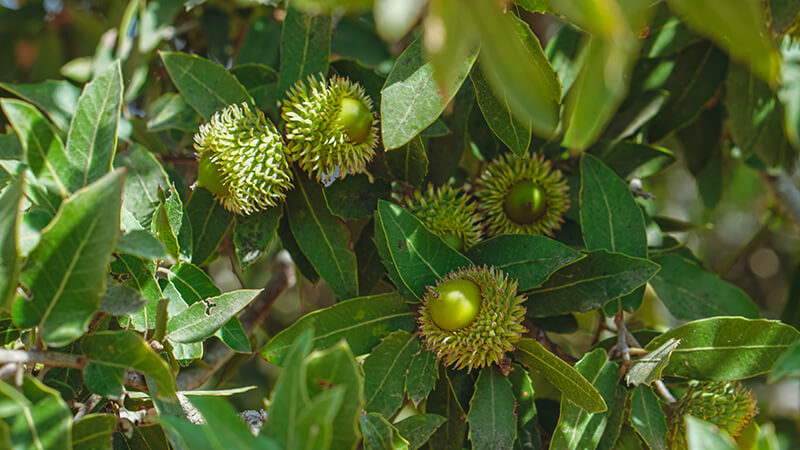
329,126
448,213
241,159
727,404
472,317
521,196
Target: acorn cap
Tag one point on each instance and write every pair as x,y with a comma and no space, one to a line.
329,126
448,213
521,196
727,404
241,151
496,326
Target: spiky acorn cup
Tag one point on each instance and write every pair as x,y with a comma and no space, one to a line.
727,404
329,125
521,196
242,159
472,317
448,213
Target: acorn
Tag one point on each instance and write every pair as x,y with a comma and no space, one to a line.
727,404
241,159
472,317
329,127
448,213
521,196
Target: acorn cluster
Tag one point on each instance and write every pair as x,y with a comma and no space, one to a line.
727,404
472,317
244,159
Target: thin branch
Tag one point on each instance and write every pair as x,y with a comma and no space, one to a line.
787,194
217,353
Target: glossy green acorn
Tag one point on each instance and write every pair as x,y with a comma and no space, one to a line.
241,159
330,128
525,203
521,196
454,304
472,317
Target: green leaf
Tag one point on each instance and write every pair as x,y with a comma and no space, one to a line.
393,20
527,258
140,243
170,111
126,349
156,25
361,321
560,374
210,223
739,28
379,434
418,428
419,257
355,196
698,73
43,149
787,365
92,138
492,422
104,380
120,300
588,283
384,372
205,85
410,99
261,44
409,163
93,431
66,271
261,83
617,415
290,395
701,434
289,243
9,258
528,434
562,52
726,348
576,427
596,16
305,47
516,67
497,112
630,159
336,366
442,401
597,91
144,177
649,367
689,292
422,373
253,234
204,318
58,99
648,418
322,237
143,280
37,417
170,225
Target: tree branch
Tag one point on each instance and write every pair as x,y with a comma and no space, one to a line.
787,194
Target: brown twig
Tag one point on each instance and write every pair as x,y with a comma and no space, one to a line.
787,194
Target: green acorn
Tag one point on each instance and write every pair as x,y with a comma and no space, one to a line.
472,317
521,196
330,126
727,404
448,213
242,159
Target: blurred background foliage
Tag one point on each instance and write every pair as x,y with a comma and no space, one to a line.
721,206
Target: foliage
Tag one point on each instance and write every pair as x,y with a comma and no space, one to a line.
223,224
